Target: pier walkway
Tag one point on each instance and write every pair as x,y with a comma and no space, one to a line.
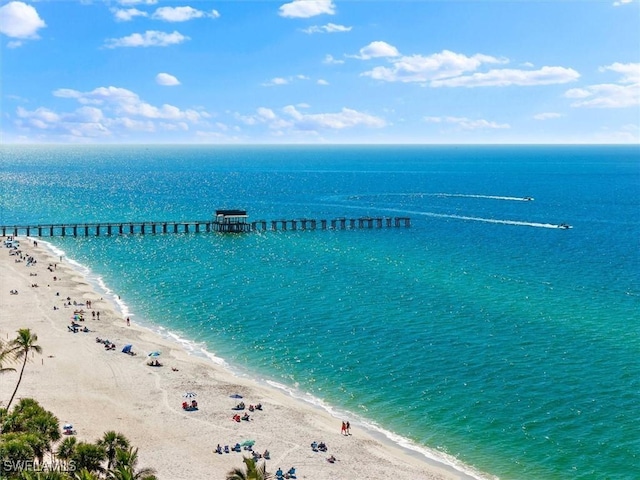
197,226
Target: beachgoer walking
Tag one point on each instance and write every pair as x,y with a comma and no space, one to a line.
343,431
128,322
98,315
348,430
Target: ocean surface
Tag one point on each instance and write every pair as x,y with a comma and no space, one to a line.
483,335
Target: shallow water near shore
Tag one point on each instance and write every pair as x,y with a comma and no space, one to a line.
483,331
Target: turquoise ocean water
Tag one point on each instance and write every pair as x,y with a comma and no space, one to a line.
483,334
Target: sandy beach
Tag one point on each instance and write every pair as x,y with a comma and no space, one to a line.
98,390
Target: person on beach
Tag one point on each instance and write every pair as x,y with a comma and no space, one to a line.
343,430
348,429
128,322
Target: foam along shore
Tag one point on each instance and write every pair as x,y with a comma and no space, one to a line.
99,389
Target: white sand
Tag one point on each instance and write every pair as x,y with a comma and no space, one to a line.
99,390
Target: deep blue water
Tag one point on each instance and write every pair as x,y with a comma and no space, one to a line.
483,332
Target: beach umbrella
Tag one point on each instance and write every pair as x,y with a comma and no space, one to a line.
67,426
127,349
248,443
235,395
154,354
190,395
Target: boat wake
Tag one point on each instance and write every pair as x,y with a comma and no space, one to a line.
492,197
453,195
493,220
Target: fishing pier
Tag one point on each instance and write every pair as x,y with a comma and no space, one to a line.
225,221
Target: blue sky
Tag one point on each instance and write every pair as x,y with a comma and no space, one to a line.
320,71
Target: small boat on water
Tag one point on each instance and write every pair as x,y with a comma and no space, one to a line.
564,226
527,199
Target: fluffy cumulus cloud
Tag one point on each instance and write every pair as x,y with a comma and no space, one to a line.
108,112
508,76
467,123
137,2
419,68
376,50
451,69
292,119
547,116
621,2
181,14
167,80
307,8
624,93
329,60
150,38
128,14
328,28
277,81
19,20
346,118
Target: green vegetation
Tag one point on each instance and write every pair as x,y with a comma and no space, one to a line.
252,471
19,349
31,447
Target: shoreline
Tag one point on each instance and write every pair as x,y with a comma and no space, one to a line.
104,390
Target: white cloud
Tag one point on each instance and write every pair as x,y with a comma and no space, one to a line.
322,82
150,38
40,117
137,2
328,28
167,80
624,94
328,59
123,101
181,14
506,77
294,120
621,2
630,71
547,116
346,118
307,8
108,112
467,123
376,50
19,20
418,68
126,15
606,96
275,82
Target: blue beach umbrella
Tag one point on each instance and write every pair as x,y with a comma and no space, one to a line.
154,354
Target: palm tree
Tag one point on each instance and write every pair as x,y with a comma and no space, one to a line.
4,353
15,449
84,474
20,348
252,471
125,467
111,442
29,475
89,456
67,449
46,425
